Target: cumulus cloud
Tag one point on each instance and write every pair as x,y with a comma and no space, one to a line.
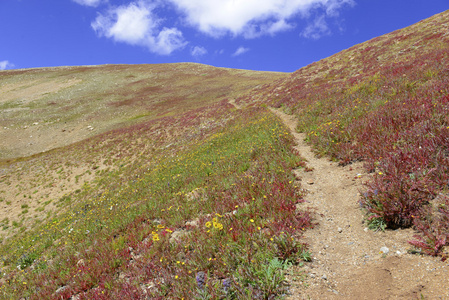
251,18
240,51
198,51
92,3
5,64
135,24
317,29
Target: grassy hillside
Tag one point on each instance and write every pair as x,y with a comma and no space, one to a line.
174,181
90,120
384,102
143,209
221,206
47,108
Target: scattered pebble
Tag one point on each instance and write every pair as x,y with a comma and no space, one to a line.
61,289
340,229
193,223
384,250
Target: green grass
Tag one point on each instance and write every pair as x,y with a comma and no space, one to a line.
384,102
196,200
246,226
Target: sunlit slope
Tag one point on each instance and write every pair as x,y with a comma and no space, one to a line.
220,200
385,102
94,119
382,66
46,108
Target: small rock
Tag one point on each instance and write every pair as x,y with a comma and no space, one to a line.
366,229
310,181
177,235
340,229
324,277
193,223
60,289
193,195
398,252
157,221
384,250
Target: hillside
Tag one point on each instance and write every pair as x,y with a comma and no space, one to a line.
183,181
51,116
48,108
384,102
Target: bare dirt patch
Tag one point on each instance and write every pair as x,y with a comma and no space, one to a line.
347,260
26,91
33,191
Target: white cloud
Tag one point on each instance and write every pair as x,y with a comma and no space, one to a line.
198,51
240,51
4,64
280,25
93,3
251,18
135,24
317,29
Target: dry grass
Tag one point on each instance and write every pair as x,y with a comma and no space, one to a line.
48,108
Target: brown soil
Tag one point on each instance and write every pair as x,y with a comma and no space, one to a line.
347,262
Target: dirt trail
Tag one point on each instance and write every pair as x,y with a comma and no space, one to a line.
347,261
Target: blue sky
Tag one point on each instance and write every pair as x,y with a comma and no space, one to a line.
269,35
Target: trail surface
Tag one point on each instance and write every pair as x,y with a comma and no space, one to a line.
347,261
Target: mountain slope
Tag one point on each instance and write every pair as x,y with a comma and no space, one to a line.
384,102
94,118
185,185
47,108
